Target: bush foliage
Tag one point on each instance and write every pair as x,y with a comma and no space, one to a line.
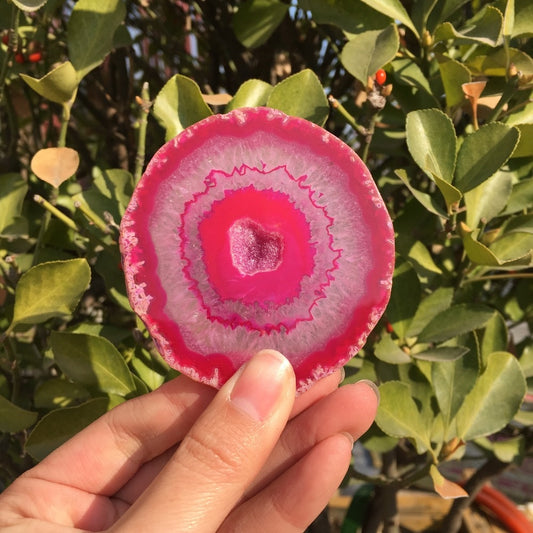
90,89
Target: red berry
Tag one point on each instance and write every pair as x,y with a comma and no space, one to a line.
381,76
19,58
5,39
388,327
35,57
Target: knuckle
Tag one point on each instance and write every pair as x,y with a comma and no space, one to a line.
219,458
124,438
285,513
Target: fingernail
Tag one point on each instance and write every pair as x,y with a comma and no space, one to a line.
372,385
342,373
260,384
348,436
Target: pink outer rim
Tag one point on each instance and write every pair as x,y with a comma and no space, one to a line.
140,261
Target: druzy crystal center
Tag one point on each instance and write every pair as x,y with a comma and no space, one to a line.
256,246
254,249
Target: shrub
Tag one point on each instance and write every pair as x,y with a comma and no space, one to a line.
434,96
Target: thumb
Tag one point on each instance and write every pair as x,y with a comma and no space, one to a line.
222,453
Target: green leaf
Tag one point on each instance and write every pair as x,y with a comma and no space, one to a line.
179,104
495,398
420,12
508,19
510,450
452,381
256,20
441,353
443,11
407,72
357,510
59,85
56,427
523,20
525,145
398,415
526,360
521,197
432,143
455,321
393,9
377,441
13,418
107,265
50,290
427,200
13,189
482,153
301,95
352,16
514,247
251,93
421,390
112,333
367,52
422,393
122,37
495,337
429,308
484,28
485,201
404,298
451,194
524,417
476,251
29,5
388,351
496,63
140,386
147,370
115,185
453,74
58,392
522,115
518,224
420,259
93,362
90,31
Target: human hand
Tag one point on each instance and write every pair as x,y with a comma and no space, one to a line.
186,458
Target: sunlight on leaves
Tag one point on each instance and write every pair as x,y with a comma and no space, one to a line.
50,290
495,398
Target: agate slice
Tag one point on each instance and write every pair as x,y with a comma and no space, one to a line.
255,230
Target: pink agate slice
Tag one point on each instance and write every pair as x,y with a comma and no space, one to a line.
256,230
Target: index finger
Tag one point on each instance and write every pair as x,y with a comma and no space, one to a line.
107,453
134,433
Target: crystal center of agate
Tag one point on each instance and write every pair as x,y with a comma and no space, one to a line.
254,249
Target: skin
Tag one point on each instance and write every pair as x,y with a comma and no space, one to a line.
185,457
